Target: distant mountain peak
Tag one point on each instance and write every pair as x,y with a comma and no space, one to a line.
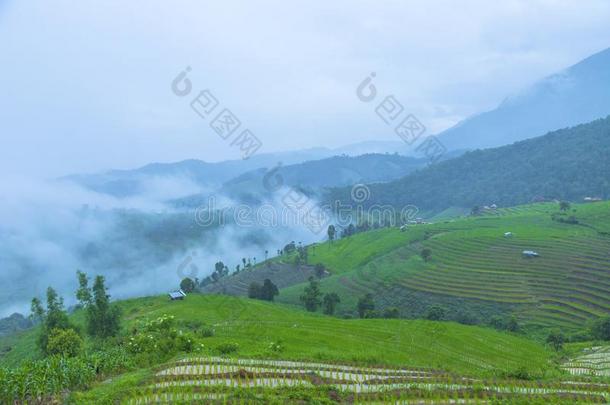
578,94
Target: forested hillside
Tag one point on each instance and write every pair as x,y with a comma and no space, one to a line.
568,164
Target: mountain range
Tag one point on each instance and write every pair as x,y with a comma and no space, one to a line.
126,183
568,164
574,96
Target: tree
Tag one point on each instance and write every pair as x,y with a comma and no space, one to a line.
564,205
391,313
600,329
556,339
330,302
311,295
64,343
476,210
426,254
83,294
268,291
187,285
52,318
349,231
254,290
220,269
319,270
365,304
289,248
302,255
103,320
331,231
512,325
435,313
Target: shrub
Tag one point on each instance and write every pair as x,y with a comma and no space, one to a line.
512,325
426,254
64,343
365,305
311,295
467,318
330,302
320,270
276,347
254,290
391,313
435,313
227,348
160,337
556,340
206,331
600,329
187,285
521,373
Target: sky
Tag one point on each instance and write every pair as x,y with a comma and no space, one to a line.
86,86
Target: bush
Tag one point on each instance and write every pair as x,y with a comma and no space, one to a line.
601,328
160,337
435,313
206,332
467,318
426,254
371,314
187,285
227,348
276,347
365,305
556,340
64,343
522,373
391,313
510,324
320,270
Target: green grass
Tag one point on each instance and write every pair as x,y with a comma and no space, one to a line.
254,325
474,264
348,254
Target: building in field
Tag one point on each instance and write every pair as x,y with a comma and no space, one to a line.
529,253
176,295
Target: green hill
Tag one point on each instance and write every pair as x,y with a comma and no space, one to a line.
257,330
568,164
312,176
475,272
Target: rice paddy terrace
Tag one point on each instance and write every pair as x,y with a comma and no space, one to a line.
473,262
591,361
285,355
238,380
279,354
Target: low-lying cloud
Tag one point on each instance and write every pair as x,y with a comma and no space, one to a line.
141,244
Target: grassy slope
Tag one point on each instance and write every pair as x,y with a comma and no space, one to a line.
255,324
474,264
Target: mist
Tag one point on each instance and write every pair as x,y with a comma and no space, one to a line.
142,245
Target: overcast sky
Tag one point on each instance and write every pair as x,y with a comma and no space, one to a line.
85,85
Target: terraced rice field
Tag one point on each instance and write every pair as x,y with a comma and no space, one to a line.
594,361
568,285
282,274
218,379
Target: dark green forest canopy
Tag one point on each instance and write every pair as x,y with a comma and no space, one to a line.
568,164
